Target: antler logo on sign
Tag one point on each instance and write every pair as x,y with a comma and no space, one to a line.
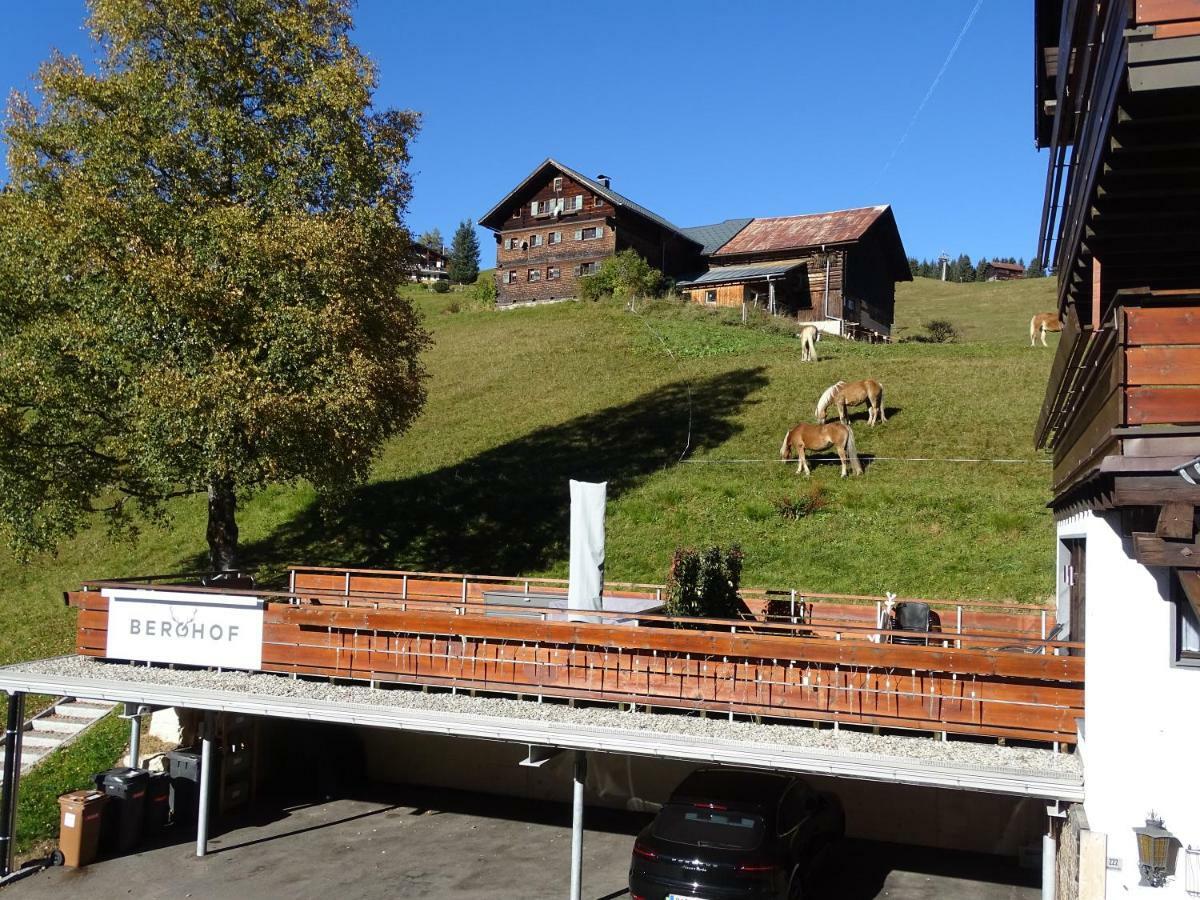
192,629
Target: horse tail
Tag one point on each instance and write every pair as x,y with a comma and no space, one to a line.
852,451
826,399
783,449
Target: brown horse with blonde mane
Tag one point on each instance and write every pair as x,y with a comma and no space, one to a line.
1043,322
854,393
805,437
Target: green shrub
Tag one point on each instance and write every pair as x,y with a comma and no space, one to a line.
441,286
483,291
704,583
452,307
624,276
942,331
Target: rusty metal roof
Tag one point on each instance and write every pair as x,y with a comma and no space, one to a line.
797,232
1007,266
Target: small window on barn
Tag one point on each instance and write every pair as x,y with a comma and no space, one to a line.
597,202
517,213
587,268
535,275
511,277
558,184
535,240
576,202
555,237
552,273
589,234
710,296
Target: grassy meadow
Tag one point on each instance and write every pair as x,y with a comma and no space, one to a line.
522,400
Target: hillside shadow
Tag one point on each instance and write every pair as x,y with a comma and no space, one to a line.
505,511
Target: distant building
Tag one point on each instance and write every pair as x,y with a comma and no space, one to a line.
431,264
835,269
1003,271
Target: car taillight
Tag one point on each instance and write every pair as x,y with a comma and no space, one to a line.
710,806
757,868
644,852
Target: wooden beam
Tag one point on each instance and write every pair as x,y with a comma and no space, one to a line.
1095,294
1176,521
1152,550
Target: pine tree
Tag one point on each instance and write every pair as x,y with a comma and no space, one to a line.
1034,269
981,269
431,239
464,254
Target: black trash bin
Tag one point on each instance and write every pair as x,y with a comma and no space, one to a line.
183,769
158,802
124,814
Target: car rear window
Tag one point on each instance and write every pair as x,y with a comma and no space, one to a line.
705,827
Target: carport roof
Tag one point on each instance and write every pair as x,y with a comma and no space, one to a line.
727,274
907,760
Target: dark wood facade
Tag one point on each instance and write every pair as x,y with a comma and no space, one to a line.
1122,124
558,225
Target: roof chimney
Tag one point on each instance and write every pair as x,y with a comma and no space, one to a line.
603,179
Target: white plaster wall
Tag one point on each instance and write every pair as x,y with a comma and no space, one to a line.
1142,728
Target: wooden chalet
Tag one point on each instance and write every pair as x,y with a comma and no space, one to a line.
430,264
1117,93
998,270
850,261
838,269
557,225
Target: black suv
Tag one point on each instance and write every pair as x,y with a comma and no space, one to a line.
728,833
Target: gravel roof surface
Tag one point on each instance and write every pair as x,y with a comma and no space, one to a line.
955,752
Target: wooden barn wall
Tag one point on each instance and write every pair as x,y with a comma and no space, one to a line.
1162,365
869,283
663,250
519,216
566,256
816,282
727,294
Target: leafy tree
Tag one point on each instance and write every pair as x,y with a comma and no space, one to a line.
431,239
704,583
483,291
463,265
624,276
200,249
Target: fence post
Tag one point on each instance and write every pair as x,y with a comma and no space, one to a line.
958,643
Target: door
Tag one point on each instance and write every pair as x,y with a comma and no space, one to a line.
1077,549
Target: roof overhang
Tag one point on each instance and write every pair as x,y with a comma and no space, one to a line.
337,703
736,274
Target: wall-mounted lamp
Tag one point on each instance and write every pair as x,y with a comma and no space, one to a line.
1154,851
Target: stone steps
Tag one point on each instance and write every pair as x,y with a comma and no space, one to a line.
55,726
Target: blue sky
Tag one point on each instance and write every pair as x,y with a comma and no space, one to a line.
700,110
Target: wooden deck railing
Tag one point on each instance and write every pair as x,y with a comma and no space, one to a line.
991,679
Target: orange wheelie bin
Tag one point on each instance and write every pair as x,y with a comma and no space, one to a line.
80,816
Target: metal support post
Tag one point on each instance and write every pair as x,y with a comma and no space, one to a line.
206,756
1049,863
12,778
135,741
577,825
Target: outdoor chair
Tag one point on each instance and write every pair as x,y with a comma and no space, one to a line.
913,617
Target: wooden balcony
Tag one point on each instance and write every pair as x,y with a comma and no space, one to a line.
983,669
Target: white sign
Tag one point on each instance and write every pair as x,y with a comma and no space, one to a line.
192,629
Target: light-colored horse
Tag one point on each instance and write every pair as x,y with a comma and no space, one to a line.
805,437
809,335
854,393
1041,323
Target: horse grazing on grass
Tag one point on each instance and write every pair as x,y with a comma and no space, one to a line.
805,437
1043,322
809,335
842,395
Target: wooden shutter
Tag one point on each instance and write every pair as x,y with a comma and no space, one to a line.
533,208
579,234
599,231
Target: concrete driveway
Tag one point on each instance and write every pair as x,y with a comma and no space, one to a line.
418,842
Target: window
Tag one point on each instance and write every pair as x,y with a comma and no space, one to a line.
589,234
723,828
558,184
1187,630
554,237
597,202
535,240
575,203
552,273
588,268
710,296
510,276
510,243
535,275
517,213
539,207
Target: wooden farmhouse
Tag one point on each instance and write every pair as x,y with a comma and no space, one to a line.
430,264
1117,94
997,270
835,269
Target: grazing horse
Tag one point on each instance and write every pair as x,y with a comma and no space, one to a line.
809,335
1043,322
805,437
855,393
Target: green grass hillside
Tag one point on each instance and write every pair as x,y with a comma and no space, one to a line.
522,400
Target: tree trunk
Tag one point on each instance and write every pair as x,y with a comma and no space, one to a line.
222,525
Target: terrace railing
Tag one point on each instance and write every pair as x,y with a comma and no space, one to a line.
826,659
